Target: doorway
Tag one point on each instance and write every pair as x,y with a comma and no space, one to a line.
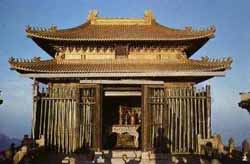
121,120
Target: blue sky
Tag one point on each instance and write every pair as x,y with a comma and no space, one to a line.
231,18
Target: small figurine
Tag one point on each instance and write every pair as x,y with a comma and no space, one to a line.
132,118
174,159
126,117
120,115
245,149
231,146
220,146
244,158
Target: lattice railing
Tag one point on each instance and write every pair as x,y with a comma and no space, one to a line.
64,116
178,115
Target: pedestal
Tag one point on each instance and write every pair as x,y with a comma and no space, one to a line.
125,132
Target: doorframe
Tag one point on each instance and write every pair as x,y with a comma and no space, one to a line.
128,87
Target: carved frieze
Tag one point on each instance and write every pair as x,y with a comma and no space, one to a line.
108,52
158,54
82,53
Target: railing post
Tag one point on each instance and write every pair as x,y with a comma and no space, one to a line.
208,97
145,121
97,120
35,103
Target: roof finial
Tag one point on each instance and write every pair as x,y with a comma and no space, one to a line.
28,28
93,14
11,59
149,16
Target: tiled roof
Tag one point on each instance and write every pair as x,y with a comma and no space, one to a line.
92,32
132,30
99,28
118,66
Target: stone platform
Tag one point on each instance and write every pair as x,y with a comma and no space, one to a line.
137,157
124,157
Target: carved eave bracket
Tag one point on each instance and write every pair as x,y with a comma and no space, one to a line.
225,62
60,54
17,60
30,30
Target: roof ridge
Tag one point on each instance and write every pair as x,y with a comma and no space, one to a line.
94,18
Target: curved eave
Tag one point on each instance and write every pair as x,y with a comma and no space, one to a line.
86,32
207,36
120,32
197,74
116,75
153,68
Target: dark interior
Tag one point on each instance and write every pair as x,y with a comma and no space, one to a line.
110,117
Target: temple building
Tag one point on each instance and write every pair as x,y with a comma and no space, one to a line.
121,84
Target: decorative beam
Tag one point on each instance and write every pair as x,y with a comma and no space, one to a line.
122,93
121,82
